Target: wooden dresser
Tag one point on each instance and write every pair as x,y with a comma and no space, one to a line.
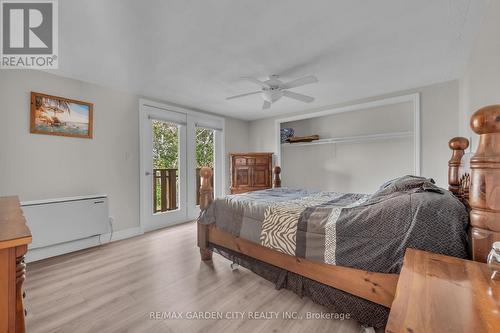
14,239
251,171
437,293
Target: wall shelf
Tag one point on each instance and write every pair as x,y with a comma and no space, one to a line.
352,139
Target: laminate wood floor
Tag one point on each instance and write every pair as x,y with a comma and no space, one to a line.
115,287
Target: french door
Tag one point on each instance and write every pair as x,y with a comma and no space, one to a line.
175,144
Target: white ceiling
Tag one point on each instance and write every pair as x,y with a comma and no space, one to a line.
193,53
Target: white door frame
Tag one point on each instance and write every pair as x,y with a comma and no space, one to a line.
193,118
162,219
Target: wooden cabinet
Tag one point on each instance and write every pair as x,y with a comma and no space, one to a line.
250,171
14,239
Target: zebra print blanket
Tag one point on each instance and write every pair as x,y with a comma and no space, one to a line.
369,232
284,222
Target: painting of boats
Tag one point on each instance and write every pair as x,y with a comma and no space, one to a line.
54,115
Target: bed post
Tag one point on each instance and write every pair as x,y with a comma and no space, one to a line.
277,179
458,145
484,195
206,197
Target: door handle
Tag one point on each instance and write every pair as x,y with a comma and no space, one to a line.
148,173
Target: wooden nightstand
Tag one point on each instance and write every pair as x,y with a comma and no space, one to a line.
437,293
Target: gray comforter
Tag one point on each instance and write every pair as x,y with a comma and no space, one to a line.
369,232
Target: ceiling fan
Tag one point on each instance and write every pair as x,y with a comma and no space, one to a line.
273,89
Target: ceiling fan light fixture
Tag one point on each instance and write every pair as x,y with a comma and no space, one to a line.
272,95
273,89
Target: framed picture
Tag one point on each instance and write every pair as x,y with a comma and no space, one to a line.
54,115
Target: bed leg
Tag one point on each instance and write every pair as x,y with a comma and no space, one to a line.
205,252
206,197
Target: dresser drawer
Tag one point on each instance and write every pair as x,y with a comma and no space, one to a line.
240,161
262,160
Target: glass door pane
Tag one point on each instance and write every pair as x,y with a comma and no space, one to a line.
165,166
205,154
174,147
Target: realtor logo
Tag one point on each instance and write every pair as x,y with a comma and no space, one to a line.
29,34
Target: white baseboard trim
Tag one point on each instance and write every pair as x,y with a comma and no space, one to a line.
168,224
58,249
120,234
80,244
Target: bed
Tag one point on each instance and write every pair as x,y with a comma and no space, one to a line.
345,250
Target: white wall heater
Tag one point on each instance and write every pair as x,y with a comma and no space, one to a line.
65,225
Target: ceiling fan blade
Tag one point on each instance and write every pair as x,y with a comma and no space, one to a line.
243,95
299,97
254,80
300,82
266,105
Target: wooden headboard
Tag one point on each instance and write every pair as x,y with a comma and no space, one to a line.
477,181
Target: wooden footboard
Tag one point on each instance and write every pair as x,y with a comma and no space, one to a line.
379,288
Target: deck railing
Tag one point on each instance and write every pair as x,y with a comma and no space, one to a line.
165,189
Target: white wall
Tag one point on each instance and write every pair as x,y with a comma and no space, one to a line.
343,167
480,84
41,166
237,140
439,122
